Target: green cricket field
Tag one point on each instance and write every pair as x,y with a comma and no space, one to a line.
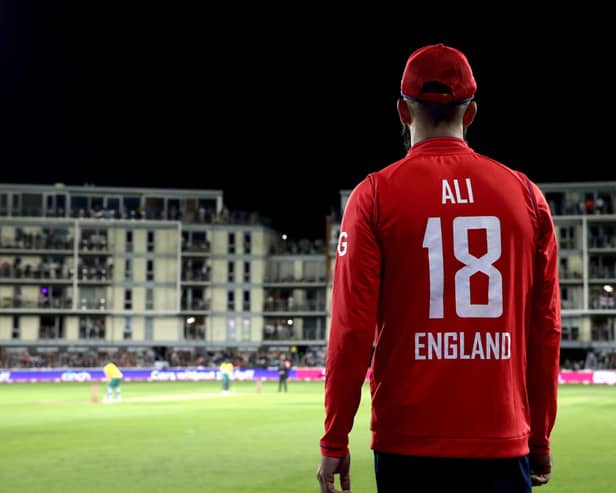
188,437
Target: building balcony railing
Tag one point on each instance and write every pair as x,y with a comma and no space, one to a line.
288,334
39,272
202,247
37,242
16,302
95,274
55,252
580,208
194,333
602,272
92,333
303,246
570,275
571,304
293,306
88,304
294,280
196,305
48,273
196,276
48,334
602,242
603,302
108,250
199,216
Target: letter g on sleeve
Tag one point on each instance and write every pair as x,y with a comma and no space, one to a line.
342,243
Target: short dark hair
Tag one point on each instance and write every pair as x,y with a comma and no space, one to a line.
437,113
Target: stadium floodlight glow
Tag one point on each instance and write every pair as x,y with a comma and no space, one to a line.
608,288
190,320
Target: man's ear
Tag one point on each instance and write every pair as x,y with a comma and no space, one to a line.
469,114
403,112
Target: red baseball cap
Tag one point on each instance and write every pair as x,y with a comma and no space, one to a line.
439,74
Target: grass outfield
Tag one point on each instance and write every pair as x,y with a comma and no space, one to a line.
186,437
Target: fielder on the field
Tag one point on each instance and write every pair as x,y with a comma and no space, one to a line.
113,379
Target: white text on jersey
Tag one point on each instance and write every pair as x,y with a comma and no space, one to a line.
456,195
452,345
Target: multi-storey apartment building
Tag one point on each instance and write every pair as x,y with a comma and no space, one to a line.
172,270
585,220
86,268
295,308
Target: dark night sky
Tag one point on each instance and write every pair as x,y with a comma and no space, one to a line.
281,109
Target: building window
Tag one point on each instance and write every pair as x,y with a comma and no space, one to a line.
128,328
51,327
231,301
313,271
194,299
93,298
570,333
314,329
148,332
194,328
200,242
246,330
284,271
17,289
16,205
132,205
4,204
128,270
150,241
32,204
149,299
246,301
128,299
92,327
603,328
231,333
15,331
149,274
247,243
129,241
231,243
231,271
566,237
246,271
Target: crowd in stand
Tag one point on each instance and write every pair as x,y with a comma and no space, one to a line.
303,246
200,215
147,358
198,358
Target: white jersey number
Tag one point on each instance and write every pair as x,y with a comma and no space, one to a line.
433,241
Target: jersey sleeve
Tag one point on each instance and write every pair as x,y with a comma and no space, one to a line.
543,361
355,293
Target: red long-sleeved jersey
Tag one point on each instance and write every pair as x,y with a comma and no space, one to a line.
446,268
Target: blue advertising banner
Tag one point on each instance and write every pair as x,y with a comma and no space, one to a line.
136,374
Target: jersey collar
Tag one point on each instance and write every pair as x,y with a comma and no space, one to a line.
439,145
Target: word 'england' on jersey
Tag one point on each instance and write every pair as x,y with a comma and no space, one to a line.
454,345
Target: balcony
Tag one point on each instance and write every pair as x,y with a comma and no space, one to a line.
18,303
293,307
